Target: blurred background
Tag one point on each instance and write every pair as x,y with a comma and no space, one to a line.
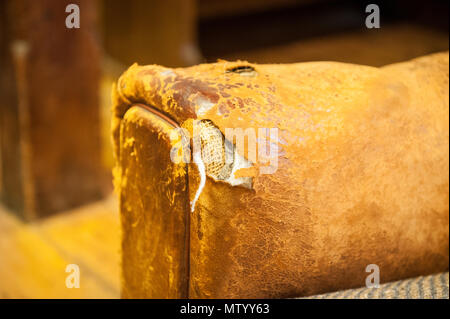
57,206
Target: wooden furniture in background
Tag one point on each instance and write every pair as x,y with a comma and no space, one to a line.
214,8
151,31
49,107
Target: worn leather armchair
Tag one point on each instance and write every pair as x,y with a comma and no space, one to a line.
360,177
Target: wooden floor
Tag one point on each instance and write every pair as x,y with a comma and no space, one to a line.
33,257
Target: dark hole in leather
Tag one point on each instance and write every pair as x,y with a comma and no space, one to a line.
241,69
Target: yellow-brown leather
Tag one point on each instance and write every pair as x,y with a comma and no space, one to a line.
362,178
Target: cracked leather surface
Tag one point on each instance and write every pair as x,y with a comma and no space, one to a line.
362,177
